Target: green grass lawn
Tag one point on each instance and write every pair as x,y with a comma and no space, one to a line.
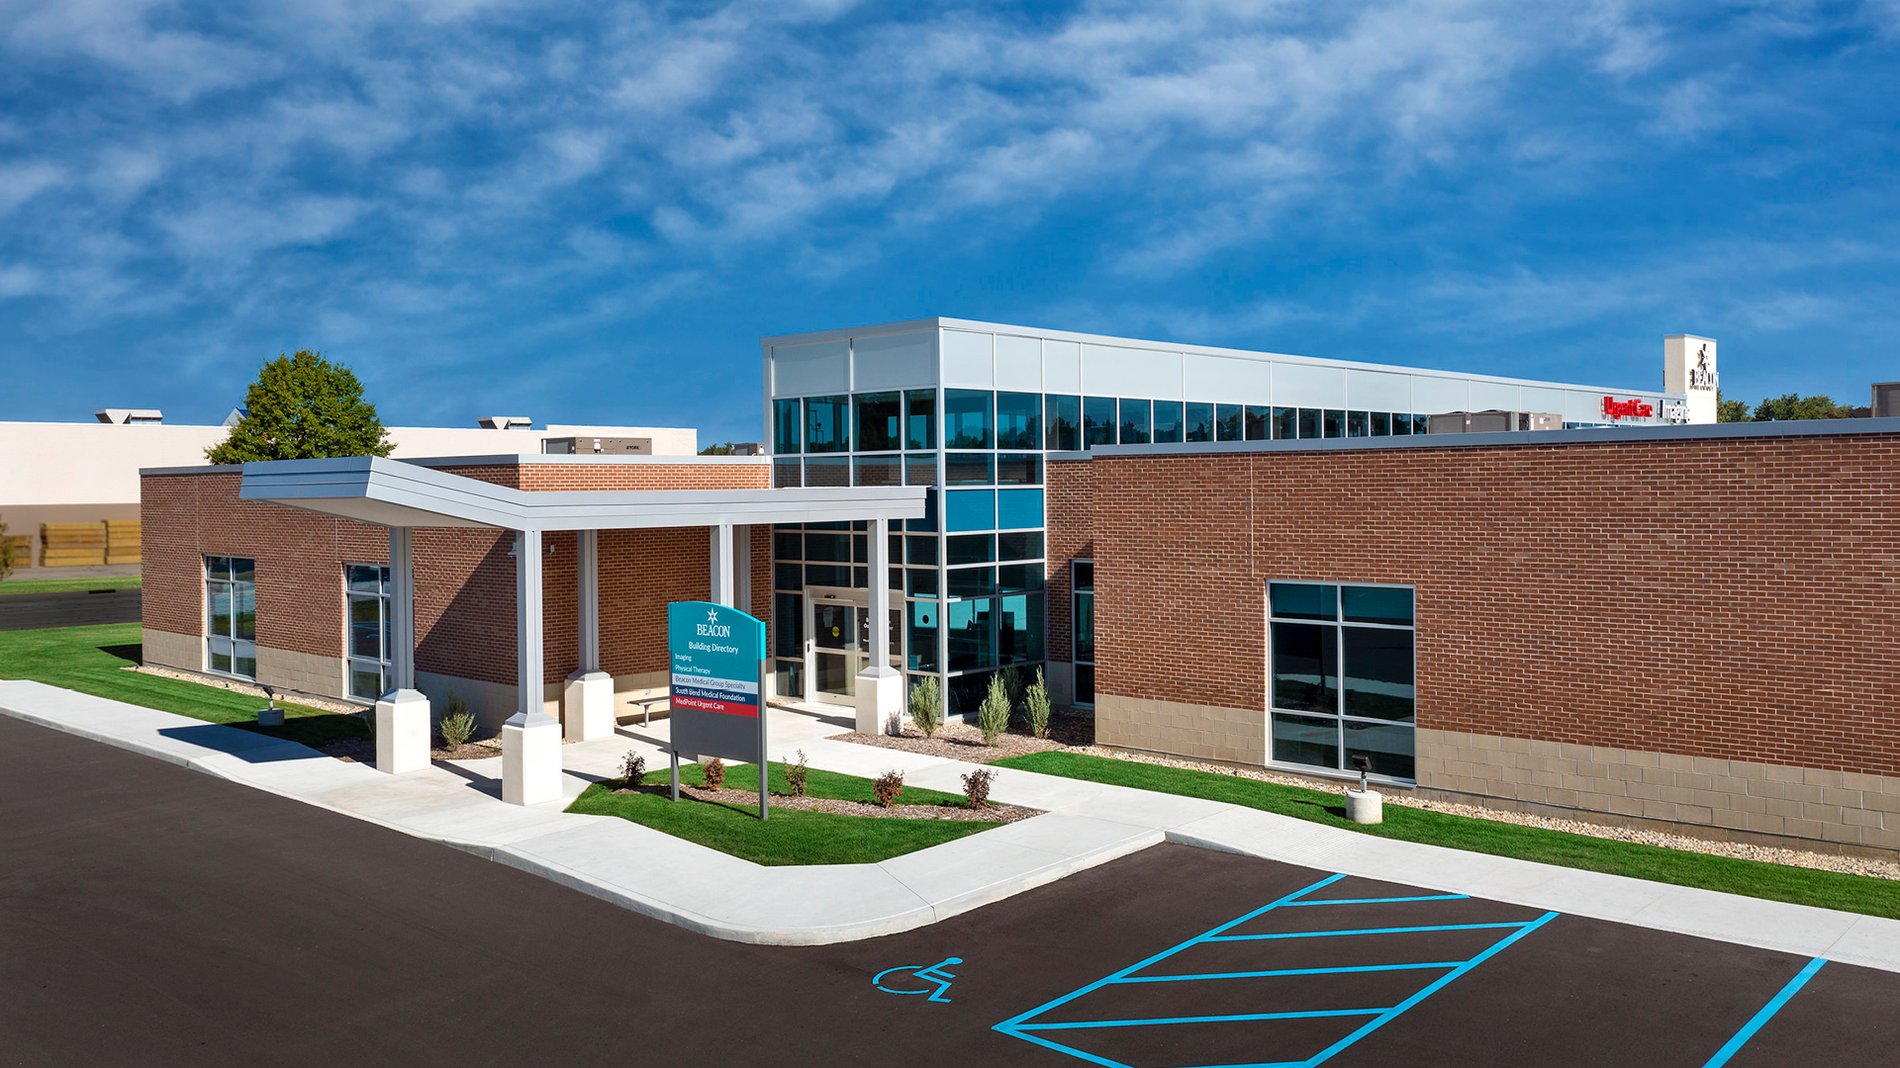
789,836
15,586
1776,882
93,660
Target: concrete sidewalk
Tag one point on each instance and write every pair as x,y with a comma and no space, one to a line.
1085,824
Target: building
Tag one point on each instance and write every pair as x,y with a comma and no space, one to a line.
973,410
74,472
1642,616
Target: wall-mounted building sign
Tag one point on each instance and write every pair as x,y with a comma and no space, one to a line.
718,691
1627,409
1675,411
1702,376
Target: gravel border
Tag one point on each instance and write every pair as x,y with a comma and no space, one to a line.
995,813
327,704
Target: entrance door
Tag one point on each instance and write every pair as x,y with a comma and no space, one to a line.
837,642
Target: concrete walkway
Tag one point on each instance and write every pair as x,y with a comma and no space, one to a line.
1085,824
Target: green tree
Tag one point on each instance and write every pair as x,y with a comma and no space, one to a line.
723,448
1796,406
1730,411
303,407
6,552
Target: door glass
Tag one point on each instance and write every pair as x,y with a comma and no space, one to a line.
838,641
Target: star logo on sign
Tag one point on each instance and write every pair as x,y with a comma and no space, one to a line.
712,615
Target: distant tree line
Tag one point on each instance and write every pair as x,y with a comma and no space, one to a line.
1786,406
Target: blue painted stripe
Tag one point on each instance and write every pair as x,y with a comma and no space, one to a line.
1425,966
1766,1013
1011,1023
1243,1017
1378,900
1060,1048
1370,931
1443,981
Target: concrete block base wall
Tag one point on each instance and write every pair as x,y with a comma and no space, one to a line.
1732,798
1200,732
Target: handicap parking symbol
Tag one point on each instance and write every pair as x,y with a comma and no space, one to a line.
933,979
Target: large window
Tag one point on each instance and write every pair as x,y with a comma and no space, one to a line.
367,590
231,616
1082,630
1342,675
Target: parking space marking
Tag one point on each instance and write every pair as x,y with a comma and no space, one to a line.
1766,1013
1023,1025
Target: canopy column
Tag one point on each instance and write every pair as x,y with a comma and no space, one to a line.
530,739
402,714
587,695
719,549
880,687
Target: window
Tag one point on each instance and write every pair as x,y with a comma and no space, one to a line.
1082,630
1257,418
367,593
967,419
785,426
1333,424
878,423
1200,421
1227,422
1342,675
231,616
1018,421
827,426
1135,416
920,429
1063,417
1286,423
1167,422
1098,421
1358,424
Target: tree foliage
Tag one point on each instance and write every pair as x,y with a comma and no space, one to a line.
1796,406
1730,411
6,552
723,448
303,407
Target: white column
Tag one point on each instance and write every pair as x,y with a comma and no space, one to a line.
402,715
742,567
587,695
530,739
719,548
880,686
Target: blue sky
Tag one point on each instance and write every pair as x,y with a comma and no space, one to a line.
623,199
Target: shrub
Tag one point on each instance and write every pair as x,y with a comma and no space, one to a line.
1036,706
633,770
798,775
976,787
887,788
992,716
926,705
457,725
715,771
1013,686
6,552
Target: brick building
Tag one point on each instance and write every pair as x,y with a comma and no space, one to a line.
1685,624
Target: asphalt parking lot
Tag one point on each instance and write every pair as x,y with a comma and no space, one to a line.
155,915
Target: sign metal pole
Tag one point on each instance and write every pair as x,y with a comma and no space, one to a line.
765,765
676,774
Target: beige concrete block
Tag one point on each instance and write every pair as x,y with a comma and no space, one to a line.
1514,745
1782,807
1485,742
1625,806
1677,761
1566,798
1859,817
1880,802
1831,795
1805,828
1660,810
1837,832
1803,792
1695,814
1659,775
1696,780
1591,769
1766,824
1820,777
1860,780
1642,759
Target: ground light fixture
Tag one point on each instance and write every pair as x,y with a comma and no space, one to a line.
1363,805
270,715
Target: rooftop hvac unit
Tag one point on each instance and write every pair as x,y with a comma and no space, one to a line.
1886,400
586,445
1496,420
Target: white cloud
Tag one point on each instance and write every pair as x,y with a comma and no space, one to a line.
21,182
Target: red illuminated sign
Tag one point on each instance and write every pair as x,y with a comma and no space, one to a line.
1629,409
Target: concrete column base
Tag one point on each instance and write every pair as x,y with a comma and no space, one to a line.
880,700
587,706
530,759
402,732
1365,806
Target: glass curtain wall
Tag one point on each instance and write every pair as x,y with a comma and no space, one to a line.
231,616
970,574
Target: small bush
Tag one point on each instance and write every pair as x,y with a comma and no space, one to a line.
715,771
6,552
976,787
457,725
1036,706
633,770
798,775
992,716
887,788
926,705
1013,686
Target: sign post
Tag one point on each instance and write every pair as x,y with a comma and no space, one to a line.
717,686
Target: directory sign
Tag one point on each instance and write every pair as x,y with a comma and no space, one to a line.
717,702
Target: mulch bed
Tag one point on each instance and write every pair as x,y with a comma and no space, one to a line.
363,750
994,813
957,740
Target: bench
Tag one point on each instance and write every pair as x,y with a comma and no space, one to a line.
649,700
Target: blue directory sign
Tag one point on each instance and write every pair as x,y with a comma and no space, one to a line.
717,685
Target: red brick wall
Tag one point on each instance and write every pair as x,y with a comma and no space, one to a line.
1728,598
1069,496
465,579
